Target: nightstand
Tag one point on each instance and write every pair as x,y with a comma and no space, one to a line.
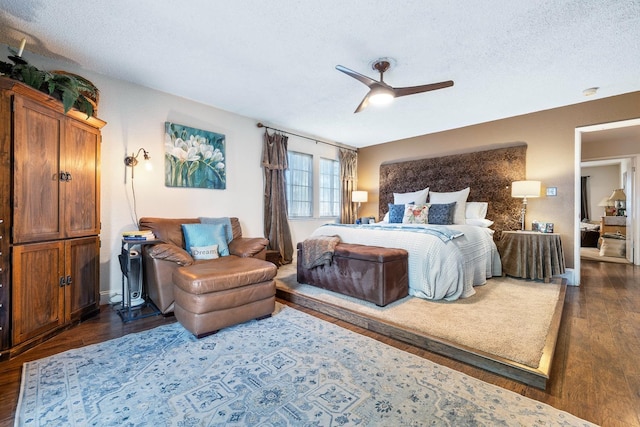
613,225
531,255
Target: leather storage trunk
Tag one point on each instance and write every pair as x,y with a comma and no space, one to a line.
372,273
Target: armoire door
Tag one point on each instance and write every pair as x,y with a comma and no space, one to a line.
37,214
38,289
81,185
82,259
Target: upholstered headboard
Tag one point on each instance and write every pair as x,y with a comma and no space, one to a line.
487,173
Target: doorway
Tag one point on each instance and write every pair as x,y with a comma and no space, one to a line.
605,142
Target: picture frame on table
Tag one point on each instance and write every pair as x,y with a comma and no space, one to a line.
542,227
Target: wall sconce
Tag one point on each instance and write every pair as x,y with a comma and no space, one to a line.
524,189
359,197
132,160
619,197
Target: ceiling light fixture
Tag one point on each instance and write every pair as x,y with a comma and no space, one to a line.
381,93
590,91
381,96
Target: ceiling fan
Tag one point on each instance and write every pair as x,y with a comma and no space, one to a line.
382,93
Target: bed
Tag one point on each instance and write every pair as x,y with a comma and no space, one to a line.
479,182
440,267
589,234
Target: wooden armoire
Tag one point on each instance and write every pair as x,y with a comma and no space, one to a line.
49,216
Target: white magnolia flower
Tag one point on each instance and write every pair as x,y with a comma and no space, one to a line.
217,155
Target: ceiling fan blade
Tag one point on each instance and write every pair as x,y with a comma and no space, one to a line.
403,91
363,103
360,77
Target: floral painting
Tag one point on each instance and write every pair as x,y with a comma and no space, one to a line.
194,158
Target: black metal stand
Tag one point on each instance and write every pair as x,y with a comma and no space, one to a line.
128,257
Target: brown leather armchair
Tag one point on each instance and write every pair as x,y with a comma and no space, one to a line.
161,260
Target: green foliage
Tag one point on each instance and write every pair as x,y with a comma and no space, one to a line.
74,91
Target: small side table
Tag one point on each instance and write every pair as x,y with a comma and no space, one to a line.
129,257
531,255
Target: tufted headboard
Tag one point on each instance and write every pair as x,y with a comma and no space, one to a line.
488,173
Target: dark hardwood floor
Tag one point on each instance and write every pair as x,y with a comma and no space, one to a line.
595,373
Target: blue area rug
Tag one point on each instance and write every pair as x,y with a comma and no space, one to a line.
289,370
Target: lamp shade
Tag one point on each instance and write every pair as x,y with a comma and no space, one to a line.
618,195
606,202
524,189
359,196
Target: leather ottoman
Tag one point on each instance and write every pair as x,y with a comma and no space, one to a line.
212,296
372,273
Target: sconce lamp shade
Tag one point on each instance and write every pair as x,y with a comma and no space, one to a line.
132,160
524,189
618,195
359,196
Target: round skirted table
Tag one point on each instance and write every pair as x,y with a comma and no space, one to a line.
531,255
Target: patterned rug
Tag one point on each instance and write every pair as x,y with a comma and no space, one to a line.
289,370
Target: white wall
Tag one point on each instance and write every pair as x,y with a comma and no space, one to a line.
136,118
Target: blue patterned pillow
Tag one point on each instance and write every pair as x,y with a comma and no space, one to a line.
396,213
441,214
198,235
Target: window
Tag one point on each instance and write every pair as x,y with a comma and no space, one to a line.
299,178
329,187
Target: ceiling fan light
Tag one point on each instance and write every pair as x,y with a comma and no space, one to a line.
381,98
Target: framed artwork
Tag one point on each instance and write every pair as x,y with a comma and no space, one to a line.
194,158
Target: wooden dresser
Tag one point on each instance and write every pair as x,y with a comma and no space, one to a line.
613,225
49,216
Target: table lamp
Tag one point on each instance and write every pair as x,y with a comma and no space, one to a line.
524,189
618,197
608,206
359,197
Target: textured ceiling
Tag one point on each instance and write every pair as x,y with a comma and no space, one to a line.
275,60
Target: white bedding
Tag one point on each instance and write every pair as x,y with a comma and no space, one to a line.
437,269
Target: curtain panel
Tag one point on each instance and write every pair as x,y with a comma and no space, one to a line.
584,198
276,219
348,183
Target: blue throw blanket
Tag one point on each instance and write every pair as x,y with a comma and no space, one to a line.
225,221
442,232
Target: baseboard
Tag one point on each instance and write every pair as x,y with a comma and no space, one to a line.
570,276
106,297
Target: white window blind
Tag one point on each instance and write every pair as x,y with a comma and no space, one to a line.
299,178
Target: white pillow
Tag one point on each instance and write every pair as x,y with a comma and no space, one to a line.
476,210
415,197
460,197
479,222
613,247
205,252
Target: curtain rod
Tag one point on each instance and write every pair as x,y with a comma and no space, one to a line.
260,125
